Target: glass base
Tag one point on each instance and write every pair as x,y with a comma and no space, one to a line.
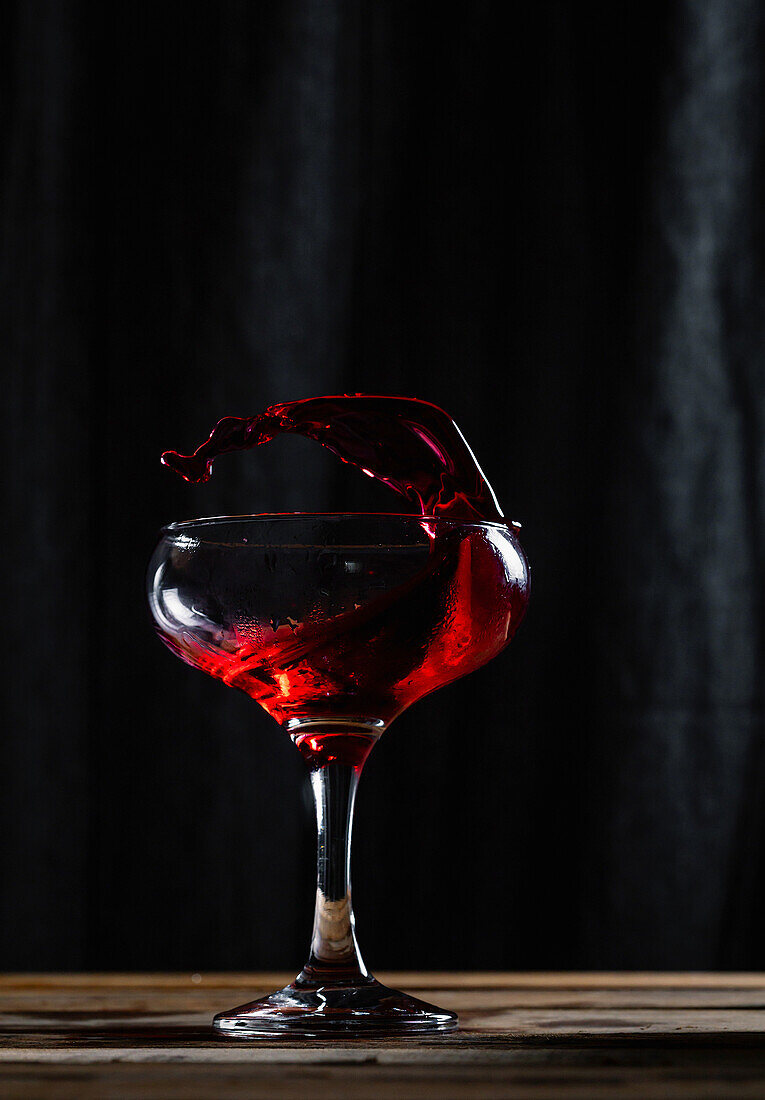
306,1011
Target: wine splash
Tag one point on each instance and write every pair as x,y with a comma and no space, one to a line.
411,446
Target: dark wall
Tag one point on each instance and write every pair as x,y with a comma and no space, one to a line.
551,229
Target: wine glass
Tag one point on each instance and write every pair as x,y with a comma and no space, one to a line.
335,624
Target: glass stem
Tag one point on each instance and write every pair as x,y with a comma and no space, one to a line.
335,957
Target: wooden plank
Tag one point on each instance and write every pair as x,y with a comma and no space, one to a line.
593,979
93,1001
172,1035
91,994
372,1081
530,1035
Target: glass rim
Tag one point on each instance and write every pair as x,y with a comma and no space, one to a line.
269,517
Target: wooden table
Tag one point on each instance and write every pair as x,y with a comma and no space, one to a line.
522,1035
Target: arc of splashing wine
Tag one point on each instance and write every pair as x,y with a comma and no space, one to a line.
411,446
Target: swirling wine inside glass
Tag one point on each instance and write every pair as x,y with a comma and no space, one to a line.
335,624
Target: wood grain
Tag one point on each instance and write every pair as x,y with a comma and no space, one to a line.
530,1035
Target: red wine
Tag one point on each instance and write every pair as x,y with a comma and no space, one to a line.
409,445
453,605
320,748
465,595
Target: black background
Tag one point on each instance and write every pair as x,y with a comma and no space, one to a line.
552,227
